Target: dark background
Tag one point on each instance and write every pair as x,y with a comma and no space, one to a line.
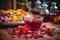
57,1
1,4
5,4
49,2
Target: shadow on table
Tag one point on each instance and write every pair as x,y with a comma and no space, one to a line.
7,26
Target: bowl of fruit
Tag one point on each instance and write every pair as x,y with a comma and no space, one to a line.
12,17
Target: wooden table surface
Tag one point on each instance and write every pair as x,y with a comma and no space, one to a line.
3,34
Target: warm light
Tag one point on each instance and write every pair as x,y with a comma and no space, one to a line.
59,17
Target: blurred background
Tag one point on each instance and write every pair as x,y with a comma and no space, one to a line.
7,4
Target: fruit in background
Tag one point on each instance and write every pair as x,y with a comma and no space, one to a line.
57,19
21,12
14,18
4,18
12,15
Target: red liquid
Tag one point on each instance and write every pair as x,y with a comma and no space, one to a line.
33,25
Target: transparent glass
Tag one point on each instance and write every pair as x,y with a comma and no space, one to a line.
33,24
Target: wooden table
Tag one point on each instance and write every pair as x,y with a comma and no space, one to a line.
3,33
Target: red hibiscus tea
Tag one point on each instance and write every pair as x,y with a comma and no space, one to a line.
33,24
